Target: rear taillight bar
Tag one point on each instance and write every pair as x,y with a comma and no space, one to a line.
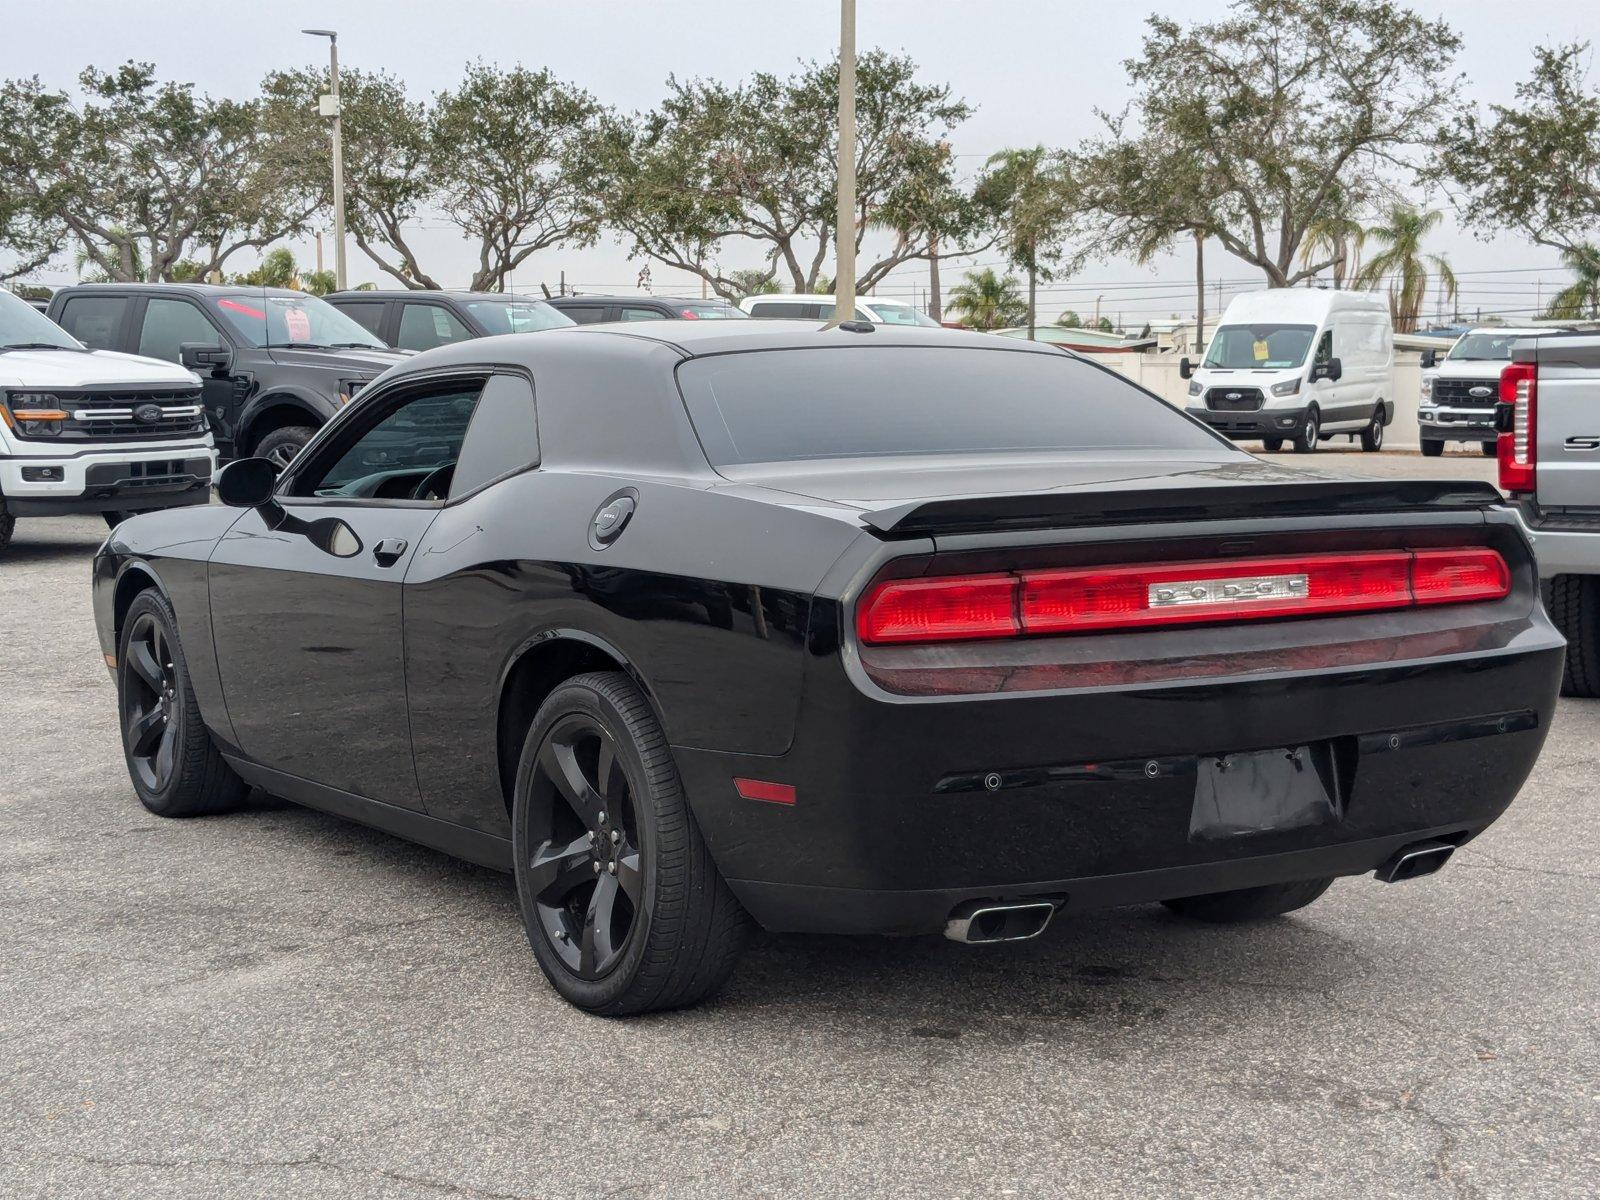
1517,451
1094,599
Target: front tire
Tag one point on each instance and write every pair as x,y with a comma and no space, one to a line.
1372,435
1432,449
1272,445
1488,449
1249,904
281,445
1309,433
175,767
624,909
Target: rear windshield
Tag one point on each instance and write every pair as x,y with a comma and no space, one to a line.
855,402
712,312
516,316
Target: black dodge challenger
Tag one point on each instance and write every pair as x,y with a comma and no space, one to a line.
700,627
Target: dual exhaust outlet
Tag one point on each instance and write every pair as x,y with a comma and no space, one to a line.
983,922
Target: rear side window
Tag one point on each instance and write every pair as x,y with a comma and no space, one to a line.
858,402
585,314
424,326
96,321
503,436
366,313
642,314
168,324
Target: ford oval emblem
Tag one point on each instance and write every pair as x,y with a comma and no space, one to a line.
1479,392
148,414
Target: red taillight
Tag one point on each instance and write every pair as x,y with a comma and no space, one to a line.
1457,576
1519,387
950,609
1092,599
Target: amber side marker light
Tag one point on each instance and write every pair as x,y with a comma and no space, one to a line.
761,789
1149,595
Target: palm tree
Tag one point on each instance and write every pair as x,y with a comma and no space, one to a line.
986,301
1404,264
1339,238
1584,291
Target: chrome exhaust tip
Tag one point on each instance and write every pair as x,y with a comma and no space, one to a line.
979,922
1415,861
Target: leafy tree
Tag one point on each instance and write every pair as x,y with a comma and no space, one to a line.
1403,262
752,283
718,164
142,174
388,158
1338,237
986,301
1070,320
1032,192
1259,125
1533,166
31,230
1583,293
277,270
1104,325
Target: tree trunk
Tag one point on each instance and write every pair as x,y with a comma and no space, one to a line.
935,303
1033,278
1199,292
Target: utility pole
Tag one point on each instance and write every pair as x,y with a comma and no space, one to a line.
328,106
844,282
1199,292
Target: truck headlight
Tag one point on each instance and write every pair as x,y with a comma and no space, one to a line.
1427,387
1287,388
1194,387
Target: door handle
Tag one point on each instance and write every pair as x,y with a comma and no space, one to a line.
387,552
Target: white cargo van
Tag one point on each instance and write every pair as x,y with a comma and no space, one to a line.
91,431
1297,365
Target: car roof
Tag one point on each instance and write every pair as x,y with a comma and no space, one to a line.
187,289
693,339
426,294
824,297
598,298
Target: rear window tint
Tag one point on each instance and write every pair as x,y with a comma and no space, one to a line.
859,402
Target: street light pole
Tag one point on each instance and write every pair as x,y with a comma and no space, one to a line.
844,282
329,107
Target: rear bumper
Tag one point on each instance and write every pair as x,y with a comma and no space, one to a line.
1563,546
110,481
906,807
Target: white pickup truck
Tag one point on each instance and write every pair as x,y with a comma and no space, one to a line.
90,431
1548,418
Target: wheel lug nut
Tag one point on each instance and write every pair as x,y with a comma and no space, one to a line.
602,818
615,837
612,867
597,868
591,837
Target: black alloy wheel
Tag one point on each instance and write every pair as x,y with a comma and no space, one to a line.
585,875
149,697
281,445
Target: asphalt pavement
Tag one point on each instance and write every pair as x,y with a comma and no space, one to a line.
281,1004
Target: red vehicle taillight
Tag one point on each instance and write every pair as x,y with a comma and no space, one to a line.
1519,387
1093,599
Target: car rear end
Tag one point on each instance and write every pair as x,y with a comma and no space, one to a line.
1158,678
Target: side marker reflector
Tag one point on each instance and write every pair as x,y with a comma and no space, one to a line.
760,789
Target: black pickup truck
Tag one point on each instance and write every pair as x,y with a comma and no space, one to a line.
274,364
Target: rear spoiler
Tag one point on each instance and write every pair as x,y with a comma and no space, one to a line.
1225,501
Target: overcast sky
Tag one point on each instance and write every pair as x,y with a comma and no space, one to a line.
1035,71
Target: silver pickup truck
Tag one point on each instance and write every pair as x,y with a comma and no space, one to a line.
1549,449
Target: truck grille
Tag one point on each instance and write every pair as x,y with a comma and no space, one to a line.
1457,393
130,415
1233,399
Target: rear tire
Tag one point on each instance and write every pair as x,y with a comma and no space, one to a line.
1249,904
1272,445
1573,602
281,445
175,767
1489,449
1372,435
1432,449
624,909
1309,433
8,526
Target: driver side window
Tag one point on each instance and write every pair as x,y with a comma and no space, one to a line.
1324,348
409,454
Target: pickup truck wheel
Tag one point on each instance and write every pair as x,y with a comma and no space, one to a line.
1272,445
1309,433
8,526
176,769
1249,904
1489,449
1432,449
281,445
624,909
1372,435
1573,602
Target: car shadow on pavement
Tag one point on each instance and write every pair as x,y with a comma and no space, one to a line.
37,552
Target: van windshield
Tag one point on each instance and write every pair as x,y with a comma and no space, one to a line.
1259,347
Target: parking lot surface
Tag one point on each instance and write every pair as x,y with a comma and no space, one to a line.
277,1003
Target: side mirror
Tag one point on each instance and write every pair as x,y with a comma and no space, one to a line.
1430,359
204,356
1331,370
247,483
1185,367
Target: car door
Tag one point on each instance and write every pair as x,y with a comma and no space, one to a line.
164,326
306,595
425,325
